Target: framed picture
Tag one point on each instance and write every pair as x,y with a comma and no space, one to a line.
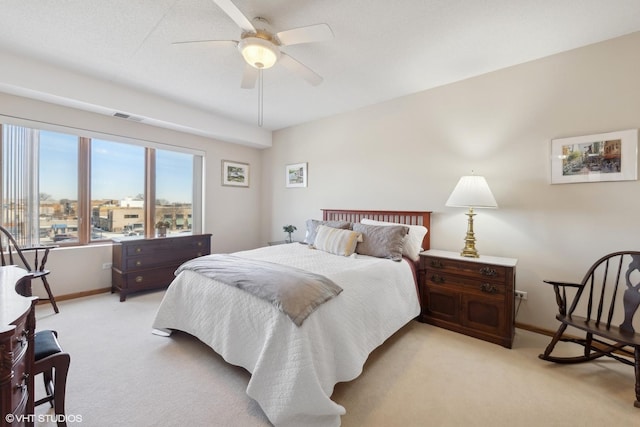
296,175
235,174
609,156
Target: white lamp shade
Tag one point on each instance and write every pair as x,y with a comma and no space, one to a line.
259,53
472,191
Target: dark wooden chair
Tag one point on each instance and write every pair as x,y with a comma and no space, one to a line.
608,294
53,363
10,247
50,361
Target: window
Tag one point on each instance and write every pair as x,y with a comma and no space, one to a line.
117,189
52,180
58,193
174,195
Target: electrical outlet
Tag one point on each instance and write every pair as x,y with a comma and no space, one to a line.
521,295
106,265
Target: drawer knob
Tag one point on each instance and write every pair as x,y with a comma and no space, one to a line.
138,250
138,279
23,385
138,263
488,288
488,271
436,264
199,254
199,243
437,279
22,339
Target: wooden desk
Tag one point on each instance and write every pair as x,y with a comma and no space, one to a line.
17,326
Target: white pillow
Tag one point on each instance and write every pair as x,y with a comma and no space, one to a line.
312,228
336,241
412,245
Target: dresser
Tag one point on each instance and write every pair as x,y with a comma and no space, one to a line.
473,296
146,264
17,325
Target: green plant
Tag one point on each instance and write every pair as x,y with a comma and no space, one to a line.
163,224
289,229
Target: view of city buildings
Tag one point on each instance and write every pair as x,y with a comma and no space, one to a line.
58,221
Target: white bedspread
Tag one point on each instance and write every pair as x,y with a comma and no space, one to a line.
294,369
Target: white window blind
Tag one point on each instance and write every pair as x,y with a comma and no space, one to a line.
20,192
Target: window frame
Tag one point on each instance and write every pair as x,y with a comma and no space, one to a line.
84,176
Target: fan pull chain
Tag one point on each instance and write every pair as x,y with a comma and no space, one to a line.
260,97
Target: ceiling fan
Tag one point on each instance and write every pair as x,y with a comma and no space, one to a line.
260,47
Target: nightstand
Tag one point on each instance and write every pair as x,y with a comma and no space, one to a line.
281,242
473,296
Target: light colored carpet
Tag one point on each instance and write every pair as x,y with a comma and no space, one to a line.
122,375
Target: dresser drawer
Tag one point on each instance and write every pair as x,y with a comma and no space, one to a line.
19,385
149,279
169,244
19,340
160,258
495,273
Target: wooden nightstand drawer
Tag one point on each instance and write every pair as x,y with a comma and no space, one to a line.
495,273
466,284
473,296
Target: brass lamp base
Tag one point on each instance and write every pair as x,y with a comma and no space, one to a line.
470,239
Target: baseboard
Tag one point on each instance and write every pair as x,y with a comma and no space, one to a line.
77,295
536,329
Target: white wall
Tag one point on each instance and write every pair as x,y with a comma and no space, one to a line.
231,213
408,154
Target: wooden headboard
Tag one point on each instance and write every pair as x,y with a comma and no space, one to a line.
402,217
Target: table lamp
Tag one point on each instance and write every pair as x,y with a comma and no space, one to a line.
472,192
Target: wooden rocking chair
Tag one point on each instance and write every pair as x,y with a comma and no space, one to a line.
9,246
607,286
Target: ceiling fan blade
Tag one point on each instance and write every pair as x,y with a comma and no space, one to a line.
300,69
234,13
234,42
249,77
310,34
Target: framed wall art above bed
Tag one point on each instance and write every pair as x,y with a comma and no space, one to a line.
611,156
296,175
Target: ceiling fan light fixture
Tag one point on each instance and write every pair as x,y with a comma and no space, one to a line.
258,52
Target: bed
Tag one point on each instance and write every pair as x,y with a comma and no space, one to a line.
294,368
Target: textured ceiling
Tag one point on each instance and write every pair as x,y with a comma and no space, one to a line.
382,49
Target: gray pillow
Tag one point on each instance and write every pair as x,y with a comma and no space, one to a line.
312,228
381,241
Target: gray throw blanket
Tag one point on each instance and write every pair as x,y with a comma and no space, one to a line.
293,291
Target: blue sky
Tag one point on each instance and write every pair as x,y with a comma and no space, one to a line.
117,170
